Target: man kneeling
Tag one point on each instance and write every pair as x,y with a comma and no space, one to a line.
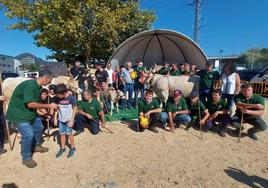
89,111
149,108
176,111
252,107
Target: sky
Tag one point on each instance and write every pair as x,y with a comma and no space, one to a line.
228,26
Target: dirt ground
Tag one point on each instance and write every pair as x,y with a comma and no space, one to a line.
131,159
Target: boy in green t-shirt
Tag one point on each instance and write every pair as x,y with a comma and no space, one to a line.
89,112
176,111
196,109
149,108
218,111
252,107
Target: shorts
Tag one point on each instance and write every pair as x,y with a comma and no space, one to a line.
64,129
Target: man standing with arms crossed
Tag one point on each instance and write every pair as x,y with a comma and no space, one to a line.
22,111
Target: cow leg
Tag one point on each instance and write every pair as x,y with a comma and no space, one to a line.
112,108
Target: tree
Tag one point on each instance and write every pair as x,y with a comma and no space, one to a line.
254,57
88,28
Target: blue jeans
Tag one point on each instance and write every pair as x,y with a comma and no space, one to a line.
2,131
230,101
130,89
205,95
138,88
183,118
64,129
31,135
93,125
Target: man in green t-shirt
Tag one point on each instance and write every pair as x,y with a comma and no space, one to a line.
149,108
176,111
89,112
207,81
139,86
196,109
218,112
252,107
22,112
174,71
165,69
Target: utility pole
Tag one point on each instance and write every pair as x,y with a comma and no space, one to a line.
197,19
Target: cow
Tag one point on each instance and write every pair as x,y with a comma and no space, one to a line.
164,86
10,84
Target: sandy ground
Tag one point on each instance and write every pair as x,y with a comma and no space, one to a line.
130,159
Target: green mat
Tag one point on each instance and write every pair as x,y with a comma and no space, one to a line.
124,114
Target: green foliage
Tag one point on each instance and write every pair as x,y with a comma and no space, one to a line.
89,28
254,57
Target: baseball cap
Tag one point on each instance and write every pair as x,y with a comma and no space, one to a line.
194,94
122,66
209,63
177,92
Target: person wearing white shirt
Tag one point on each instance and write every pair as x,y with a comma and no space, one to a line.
110,72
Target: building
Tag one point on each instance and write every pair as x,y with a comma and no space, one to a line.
9,64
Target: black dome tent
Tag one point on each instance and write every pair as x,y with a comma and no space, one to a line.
158,46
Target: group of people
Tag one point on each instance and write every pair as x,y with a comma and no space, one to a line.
31,106
208,107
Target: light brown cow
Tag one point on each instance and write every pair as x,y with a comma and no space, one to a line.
10,84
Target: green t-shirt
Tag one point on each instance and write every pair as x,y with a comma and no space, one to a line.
207,79
216,106
186,72
173,107
93,108
175,73
145,107
164,71
254,99
193,108
26,92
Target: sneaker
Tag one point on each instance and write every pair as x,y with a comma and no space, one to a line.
71,152
2,151
77,133
29,163
164,125
252,135
40,149
187,128
222,133
154,129
60,152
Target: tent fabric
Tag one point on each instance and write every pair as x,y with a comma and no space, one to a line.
159,46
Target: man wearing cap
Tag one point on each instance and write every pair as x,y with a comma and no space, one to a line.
218,112
196,109
149,108
252,106
102,75
176,111
207,80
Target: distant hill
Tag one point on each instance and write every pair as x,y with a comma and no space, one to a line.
37,60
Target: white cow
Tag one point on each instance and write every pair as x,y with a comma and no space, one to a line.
164,86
